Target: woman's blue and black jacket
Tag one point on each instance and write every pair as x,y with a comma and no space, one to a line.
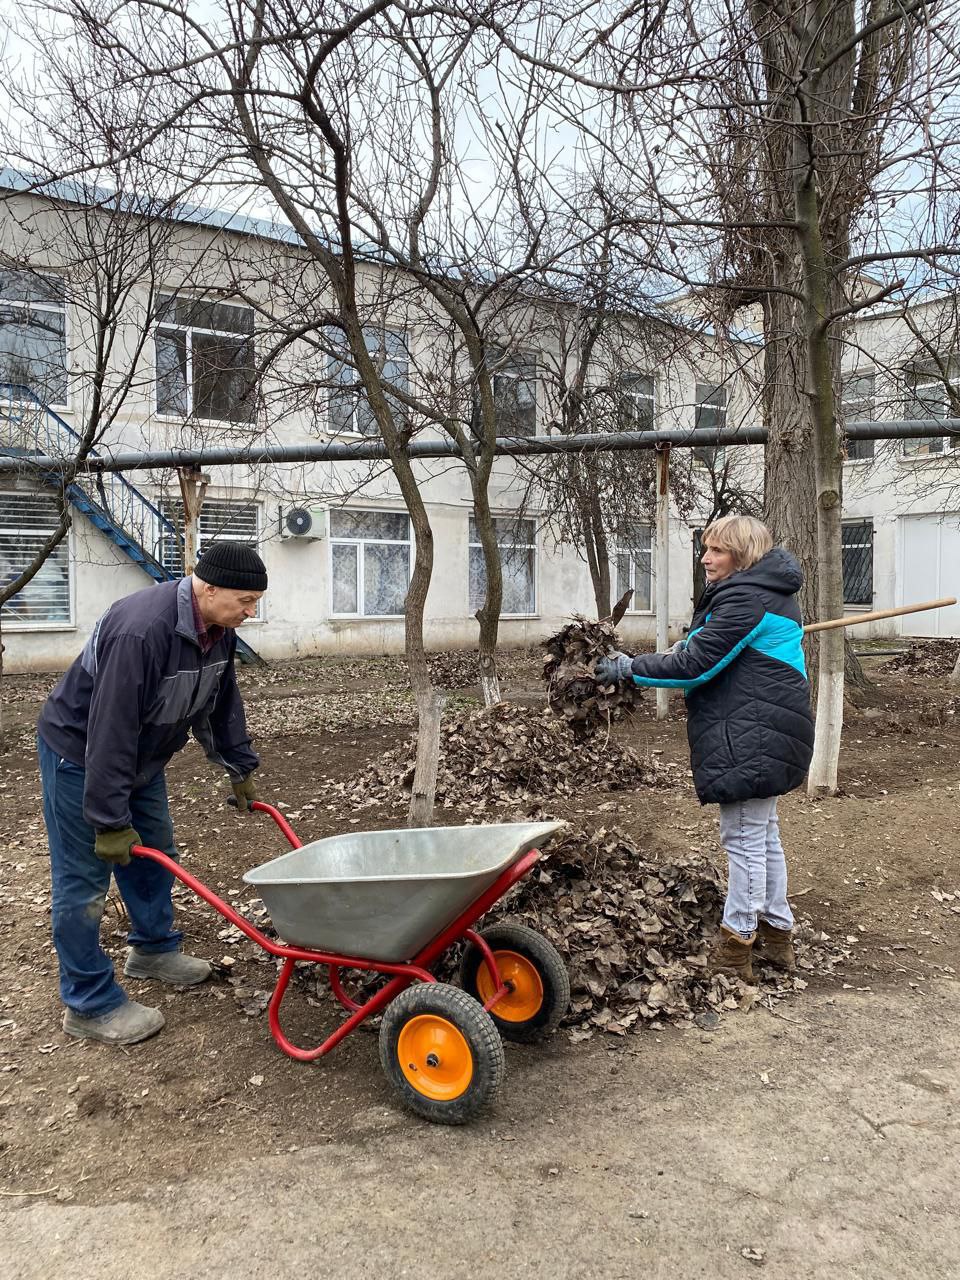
742,671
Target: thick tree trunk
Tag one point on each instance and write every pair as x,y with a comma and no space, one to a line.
790,484
955,674
829,475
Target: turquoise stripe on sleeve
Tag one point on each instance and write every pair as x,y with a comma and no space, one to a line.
646,682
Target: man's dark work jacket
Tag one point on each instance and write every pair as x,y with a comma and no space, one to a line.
135,693
742,671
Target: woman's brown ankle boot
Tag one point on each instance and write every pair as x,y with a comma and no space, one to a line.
775,946
730,954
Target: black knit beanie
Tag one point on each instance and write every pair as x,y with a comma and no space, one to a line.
233,565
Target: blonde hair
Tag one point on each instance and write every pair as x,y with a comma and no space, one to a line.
745,537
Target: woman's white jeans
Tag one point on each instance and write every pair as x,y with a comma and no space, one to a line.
757,883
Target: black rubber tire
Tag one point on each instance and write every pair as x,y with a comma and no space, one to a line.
477,1028
545,958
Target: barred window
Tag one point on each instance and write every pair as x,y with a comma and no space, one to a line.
637,406
347,404
221,520
633,568
33,334
517,540
369,562
26,522
205,359
857,555
858,401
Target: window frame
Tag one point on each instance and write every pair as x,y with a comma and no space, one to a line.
354,391
702,403
514,367
172,508
360,543
175,326
68,544
650,553
858,523
924,448
533,546
628,401
846,380
66,403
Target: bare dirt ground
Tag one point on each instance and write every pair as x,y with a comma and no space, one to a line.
817,1135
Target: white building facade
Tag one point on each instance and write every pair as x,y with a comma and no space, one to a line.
186,350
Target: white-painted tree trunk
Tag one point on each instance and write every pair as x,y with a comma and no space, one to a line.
955,674
663,569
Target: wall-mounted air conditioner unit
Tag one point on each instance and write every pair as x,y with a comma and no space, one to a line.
303,522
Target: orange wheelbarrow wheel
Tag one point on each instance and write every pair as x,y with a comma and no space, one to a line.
441,1052
531,967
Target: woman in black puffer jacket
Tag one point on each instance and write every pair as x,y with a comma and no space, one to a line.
748,722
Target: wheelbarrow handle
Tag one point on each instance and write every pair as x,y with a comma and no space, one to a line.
278,818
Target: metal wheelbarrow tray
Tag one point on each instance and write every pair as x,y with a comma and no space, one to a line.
391,902
386,894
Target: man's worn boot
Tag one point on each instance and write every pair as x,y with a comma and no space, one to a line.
167,966
129,1023
730,954
775,946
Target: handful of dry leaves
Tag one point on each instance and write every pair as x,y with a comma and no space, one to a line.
572,692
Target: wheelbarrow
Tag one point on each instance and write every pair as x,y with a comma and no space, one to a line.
390,903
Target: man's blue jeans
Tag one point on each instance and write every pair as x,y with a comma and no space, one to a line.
81,880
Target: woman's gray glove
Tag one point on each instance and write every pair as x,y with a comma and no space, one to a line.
613,668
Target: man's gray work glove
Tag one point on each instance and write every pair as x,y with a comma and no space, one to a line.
613,668
114,846
245,792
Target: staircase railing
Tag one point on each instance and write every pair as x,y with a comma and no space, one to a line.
29,426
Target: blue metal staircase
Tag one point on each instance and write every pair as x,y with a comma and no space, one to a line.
30,428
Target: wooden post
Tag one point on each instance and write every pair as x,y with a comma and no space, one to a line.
193,487
663,567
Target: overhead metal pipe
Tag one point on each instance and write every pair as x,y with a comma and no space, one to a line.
506,446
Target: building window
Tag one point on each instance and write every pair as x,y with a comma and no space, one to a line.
33,334
514,392
857,552
517,540
858,402
931,395
205,360
711,414
369,562
221,520
347,404
26,522
633,568
636,402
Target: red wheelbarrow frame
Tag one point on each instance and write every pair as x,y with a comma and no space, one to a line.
415,970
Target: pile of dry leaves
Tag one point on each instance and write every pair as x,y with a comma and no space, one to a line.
572,692
634,934
935,659
506,756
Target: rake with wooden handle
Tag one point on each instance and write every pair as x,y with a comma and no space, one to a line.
878,614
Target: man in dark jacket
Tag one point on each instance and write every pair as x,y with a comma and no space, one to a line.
159,665
749,725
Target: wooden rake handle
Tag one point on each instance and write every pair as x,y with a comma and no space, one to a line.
878,614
